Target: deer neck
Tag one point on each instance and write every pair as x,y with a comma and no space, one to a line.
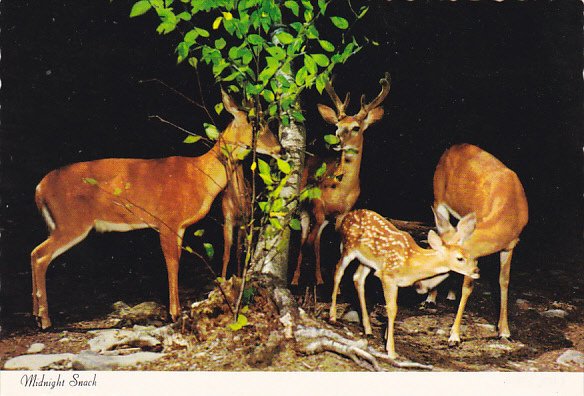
350,166
421,264
220,163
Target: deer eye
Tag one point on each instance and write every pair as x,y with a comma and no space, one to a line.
460,259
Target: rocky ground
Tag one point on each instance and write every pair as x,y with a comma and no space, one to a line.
546,321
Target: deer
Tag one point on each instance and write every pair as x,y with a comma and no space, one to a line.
396,260
468,179
235,205
340,185
123,194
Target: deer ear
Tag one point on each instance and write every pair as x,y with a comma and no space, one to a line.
327,114
374,115
230,104
442,222
434,240
466,226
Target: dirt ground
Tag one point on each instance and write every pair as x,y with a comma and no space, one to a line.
420,335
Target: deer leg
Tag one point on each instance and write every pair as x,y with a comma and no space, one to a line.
503,325
171,243
318,274
467,287
359,279
227,243
305,224
390,294
339,271
40,258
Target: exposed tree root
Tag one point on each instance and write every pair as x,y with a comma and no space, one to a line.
311,337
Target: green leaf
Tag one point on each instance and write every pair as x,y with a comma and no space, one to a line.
321,60
211,131
183,51
209,250
185,16
277,52
220,43
340,22
217,23
284,166
218,107
193,62
237,325
191,36
298,116
331,139
276,223
90,180
293,6
326,45
320,171
192,139
284,38
199,233
248,294
362,12
321,82
310,64
117,191
140,8
203,32
295,224
263,166
300,78
189,249
255,39
322,5
263,206
268,95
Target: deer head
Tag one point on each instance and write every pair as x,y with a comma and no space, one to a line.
350,128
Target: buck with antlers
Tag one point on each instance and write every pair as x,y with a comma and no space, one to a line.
468,179
340,185
116,194
396,259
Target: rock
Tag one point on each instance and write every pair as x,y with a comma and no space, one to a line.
554,313
107,340
35,348
571,357
351,316
522,304
36,362
88,360
145,313
441,332
504,347
487,326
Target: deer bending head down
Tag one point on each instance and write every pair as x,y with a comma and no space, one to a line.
396,260
340,185
468,179
167,194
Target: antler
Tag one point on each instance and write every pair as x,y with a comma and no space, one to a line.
341,106
385,86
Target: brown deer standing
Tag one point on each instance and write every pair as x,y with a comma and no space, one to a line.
340,186
167,194
468,179
396,259
236,207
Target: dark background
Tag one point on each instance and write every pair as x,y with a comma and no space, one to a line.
505,76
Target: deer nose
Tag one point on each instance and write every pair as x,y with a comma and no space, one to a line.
475,273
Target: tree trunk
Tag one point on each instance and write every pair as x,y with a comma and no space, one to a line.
271,252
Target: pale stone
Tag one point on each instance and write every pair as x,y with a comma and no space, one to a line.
88,360
571,357
36,362
351,316
36,347
554,313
